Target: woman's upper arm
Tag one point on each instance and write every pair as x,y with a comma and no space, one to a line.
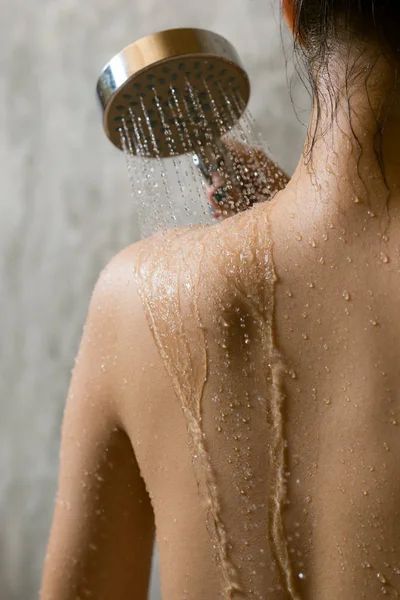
103,528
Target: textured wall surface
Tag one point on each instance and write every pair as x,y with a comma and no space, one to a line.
66,209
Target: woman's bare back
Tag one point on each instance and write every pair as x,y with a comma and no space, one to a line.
268,433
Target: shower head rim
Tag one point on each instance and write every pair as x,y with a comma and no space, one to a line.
154,50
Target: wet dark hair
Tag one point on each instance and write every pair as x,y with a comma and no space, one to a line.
321,27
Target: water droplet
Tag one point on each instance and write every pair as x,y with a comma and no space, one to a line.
346,295
373,322
381,577
292,374
357,200
310,284
313,243
371,213
322,260
384,257
289,293
327,400
299,236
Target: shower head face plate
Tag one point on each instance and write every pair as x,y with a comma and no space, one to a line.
173,92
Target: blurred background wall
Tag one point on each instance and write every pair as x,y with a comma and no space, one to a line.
66,209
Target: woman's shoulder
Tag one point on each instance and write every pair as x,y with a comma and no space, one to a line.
203,264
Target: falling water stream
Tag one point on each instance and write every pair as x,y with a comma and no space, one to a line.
171,192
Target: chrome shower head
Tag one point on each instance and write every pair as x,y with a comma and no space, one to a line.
177,84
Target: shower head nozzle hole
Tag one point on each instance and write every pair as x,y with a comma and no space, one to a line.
136,86
162,81
210,77
120,107
127,96
166,70
181,66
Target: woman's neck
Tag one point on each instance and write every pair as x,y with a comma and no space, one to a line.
343,175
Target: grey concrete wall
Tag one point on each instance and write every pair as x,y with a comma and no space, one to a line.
66,209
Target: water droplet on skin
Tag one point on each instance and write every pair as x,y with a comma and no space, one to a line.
346,295
304,336
292,374
324,236
322,260
289,293
386,446
373,322
384,257
371,213
327,400
365,492
381,577
218,428
357,200
313,243
310,284
299,236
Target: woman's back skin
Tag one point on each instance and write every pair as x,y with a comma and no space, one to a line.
339,340
237,387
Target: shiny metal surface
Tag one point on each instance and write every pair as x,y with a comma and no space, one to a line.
177,86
